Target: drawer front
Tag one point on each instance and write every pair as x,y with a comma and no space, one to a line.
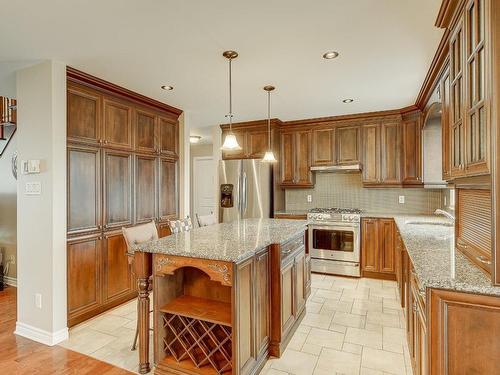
292,246
217,270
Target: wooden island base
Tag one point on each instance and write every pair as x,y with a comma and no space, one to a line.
217,317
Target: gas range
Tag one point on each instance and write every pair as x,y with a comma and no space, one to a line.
334,240
334,215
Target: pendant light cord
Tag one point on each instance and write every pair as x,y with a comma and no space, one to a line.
269,119
230,98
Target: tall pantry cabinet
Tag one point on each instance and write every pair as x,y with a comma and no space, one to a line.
122,157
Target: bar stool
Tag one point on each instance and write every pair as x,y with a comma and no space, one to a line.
206,220
134,236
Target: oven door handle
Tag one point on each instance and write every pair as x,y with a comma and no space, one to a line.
344,227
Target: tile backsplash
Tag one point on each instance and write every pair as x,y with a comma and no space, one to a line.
346,190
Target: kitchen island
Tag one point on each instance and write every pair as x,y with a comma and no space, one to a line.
226,297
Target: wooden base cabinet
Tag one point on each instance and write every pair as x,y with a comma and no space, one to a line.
378,248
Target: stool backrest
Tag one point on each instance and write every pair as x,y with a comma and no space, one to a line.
182,225
140,234
206,220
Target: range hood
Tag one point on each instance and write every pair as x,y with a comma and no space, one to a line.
340,168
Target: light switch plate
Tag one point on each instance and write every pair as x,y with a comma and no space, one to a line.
309,198
33,188
401,199
30,166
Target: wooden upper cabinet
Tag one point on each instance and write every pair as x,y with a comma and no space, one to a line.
83,114
146,192
168,136
257,144
117,129
145,131
287,155
412,151
371,154
476,129
348,144
323,147
84,189
117,272
391,153
457,148
168,195
240,135
370,242
303,159
117,189
444,92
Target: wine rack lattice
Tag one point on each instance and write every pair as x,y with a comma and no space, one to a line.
205,343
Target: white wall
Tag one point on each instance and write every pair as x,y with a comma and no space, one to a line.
184,165
41,219
8,193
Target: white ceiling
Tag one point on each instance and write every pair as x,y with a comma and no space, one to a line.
385,46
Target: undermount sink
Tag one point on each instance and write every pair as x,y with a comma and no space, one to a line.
443,224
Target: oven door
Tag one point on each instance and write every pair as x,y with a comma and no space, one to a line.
335,242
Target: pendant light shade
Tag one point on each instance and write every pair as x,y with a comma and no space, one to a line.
269,155
230,141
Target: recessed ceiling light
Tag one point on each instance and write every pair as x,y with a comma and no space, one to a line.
347,100
194,138
167,88
330,55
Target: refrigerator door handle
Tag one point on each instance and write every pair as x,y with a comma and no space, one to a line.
244,193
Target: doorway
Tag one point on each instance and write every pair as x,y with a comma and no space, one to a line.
203,185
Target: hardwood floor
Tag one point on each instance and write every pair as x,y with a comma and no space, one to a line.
21,356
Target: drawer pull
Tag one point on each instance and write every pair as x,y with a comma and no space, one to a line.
483,259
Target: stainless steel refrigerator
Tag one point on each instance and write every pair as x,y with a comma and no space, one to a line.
247,190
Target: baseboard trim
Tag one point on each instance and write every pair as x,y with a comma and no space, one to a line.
12,281
40,335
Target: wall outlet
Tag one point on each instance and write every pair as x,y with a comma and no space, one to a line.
38,300
33,188
309,198
401,199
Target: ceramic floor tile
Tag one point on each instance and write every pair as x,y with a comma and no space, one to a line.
365,305
382,360
330,294
313,307
352,348
295,362
317,320
383,292
349,320
87,341
364,337
273,371
322,284
333,305
325,338
390,303
374,283
352,294
303,329
297,341
108,323
311,349
393,339
336,361
369,371
338,328
387,320
346,283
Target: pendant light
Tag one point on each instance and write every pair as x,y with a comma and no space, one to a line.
269,155
230,141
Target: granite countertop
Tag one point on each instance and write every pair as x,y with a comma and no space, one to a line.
432,251
231,242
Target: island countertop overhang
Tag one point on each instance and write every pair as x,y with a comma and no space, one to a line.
230,242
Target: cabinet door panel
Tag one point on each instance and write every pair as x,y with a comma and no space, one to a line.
387,246
117,271
263,301
168,189
287,298
145,188
300,288
412,152
246,321
84,268
168,133
117,189
257,144
303,158
370,245
84,189
446,124
287,156
145,131
83,115
391,152
348,145
323,147
117,124
371,154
